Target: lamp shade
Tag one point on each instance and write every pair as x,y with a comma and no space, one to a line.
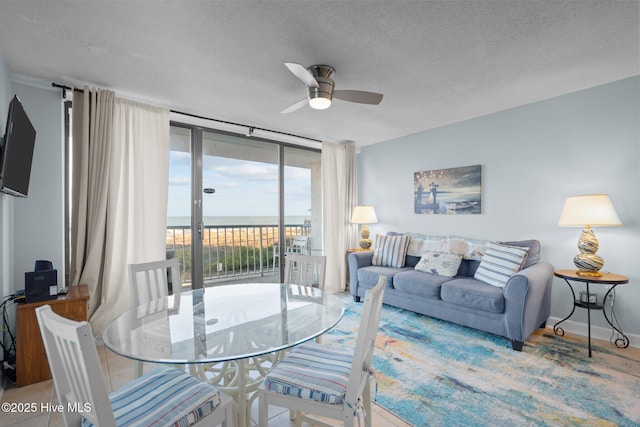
588,210
364,215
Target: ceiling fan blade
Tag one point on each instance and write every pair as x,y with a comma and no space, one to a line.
358,96
295,106
302,73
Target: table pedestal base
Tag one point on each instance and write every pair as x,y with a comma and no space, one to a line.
240,379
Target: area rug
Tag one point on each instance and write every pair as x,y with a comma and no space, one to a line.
435,373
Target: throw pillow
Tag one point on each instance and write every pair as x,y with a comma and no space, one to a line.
390,250
439,263
499,263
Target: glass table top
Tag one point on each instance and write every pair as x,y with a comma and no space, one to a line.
220,323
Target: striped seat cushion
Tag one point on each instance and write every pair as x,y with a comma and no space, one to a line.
163,397
312,371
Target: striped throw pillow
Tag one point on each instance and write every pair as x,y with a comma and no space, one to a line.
390,250
499,263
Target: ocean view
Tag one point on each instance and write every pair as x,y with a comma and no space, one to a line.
185,221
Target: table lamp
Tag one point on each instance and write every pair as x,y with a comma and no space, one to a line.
364,215
588,211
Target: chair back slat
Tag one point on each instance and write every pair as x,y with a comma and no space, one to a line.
149,280
299,245
305,270
75,368
366,341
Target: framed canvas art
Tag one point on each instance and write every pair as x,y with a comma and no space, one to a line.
448,191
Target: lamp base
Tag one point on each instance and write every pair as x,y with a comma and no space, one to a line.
365,244
588,273
365,241
588,263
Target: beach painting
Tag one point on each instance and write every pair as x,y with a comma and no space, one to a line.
451,191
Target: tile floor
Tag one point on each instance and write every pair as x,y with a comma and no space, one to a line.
119,371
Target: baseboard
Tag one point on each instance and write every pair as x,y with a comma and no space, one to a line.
597,332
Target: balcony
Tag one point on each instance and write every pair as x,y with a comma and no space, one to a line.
233,252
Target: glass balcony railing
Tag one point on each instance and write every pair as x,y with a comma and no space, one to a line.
233,250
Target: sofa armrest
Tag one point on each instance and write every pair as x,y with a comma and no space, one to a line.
527,297
357,260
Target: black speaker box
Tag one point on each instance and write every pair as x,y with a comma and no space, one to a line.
40,285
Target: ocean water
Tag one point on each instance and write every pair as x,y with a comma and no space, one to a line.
237,220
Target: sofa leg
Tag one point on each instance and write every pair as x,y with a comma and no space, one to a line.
516,345
356,298
544,325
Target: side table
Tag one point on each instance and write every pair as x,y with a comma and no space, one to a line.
32,365
604,279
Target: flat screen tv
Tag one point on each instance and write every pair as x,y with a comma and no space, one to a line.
16,152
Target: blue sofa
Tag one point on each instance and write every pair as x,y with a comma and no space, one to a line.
514,311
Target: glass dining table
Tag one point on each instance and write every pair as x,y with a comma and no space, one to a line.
229,335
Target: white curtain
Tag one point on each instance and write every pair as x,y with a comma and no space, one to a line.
119,208
339,198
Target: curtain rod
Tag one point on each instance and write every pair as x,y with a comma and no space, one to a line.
251,128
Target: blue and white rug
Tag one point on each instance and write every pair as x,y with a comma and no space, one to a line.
436,373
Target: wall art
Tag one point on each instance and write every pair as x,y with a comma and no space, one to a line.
448,191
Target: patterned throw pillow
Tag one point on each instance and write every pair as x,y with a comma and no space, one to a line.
499,263
442,264
390,250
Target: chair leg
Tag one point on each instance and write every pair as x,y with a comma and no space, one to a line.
137,369
228,417
263,411
366,401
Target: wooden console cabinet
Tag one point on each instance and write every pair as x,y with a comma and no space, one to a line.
32,365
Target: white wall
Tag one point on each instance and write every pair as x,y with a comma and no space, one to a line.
532,158
38,222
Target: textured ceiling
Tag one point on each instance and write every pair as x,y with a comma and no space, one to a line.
437,62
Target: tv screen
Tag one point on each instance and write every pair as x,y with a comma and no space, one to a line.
16,153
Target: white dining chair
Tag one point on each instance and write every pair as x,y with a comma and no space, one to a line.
299,245
170,396
150,281
306,270
325,381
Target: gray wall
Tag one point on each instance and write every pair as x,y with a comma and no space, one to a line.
532,158
32,228
5,202
38,221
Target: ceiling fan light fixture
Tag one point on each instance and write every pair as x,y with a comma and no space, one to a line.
319,103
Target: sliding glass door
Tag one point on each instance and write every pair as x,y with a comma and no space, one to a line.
237,203
239,206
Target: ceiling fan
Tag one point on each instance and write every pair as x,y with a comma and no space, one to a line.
321,91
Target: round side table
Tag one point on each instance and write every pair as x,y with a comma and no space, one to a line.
605,279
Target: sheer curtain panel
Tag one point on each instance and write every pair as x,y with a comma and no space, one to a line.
339,198
120,172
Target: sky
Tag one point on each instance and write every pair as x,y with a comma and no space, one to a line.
242,188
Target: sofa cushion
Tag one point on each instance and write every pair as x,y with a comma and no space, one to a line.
468,267
390,250
370,275
499,263
468,248
418,283
442,264
473,293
